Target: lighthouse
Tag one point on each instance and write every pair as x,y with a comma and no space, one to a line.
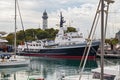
45,22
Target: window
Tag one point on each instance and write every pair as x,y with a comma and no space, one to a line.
36,44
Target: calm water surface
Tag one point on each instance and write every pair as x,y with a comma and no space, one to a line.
48,68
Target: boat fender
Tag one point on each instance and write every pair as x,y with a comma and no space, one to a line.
2,57
8,57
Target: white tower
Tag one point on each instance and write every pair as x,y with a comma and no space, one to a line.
45,22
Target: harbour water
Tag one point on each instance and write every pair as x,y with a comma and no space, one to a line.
49,68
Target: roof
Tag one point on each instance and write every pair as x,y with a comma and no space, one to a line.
118,32
45,13
3,40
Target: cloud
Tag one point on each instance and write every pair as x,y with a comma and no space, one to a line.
77,13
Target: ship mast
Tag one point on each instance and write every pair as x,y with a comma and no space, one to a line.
15,27
61,20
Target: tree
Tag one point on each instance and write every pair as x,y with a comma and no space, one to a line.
10,38
71,29
42,35
112,42
20,35
51,33
31,34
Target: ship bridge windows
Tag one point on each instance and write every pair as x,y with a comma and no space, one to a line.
36,44
39,44
76,36
64,38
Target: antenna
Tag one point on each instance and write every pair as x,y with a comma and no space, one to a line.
61,20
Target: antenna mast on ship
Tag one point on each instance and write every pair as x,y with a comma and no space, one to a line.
61,20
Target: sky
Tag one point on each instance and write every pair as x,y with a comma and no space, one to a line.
77,13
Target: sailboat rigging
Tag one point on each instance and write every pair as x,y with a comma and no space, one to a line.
11,62
102,73
15,27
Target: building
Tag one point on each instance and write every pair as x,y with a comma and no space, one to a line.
45,22
118,35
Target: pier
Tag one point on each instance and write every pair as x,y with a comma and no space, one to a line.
110,54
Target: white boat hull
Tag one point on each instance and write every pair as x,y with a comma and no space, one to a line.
14,62
76,77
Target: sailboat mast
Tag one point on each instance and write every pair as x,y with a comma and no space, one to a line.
102,39
15,27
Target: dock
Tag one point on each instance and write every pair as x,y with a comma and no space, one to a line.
110,54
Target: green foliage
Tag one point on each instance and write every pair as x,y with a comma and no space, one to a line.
10,38
51,33
112,41
33,34
71,29
108,41
115,41
42,35
20,35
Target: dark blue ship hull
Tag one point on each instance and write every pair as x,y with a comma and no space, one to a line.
75,52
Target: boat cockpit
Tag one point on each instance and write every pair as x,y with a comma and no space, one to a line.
97,75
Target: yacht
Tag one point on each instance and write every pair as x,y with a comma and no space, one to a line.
69,45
